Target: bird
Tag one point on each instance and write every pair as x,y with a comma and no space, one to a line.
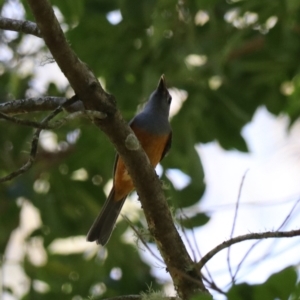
153,130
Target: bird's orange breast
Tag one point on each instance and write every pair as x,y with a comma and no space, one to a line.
153,145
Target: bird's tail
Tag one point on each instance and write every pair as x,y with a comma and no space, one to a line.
104,224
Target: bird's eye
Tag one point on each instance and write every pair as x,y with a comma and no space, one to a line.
169,99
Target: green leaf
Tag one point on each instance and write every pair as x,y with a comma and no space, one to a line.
282,284
241,291
197,220
278,286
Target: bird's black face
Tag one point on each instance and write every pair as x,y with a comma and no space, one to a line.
163,93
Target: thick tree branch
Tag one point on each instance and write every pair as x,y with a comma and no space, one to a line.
89,90
246,237
19,26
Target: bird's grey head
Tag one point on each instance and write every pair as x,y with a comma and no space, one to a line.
160,100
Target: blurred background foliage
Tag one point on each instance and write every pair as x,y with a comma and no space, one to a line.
229,58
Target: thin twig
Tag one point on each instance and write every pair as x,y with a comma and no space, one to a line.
289,215
186,238
211,282
243,259
268,253
257,242
34,143
28,123
234,223
142,239
246,237
200,256
195,243
213,285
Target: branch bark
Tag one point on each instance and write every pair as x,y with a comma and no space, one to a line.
33,104
56,124
186,278
20,26
38,104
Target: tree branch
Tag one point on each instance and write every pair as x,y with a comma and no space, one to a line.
234,222
56,124
148,186
19,26
34,104
246,237
38,104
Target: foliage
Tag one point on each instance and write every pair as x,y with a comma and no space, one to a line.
278,286
230,57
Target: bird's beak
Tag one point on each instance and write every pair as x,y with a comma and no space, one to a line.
162,83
